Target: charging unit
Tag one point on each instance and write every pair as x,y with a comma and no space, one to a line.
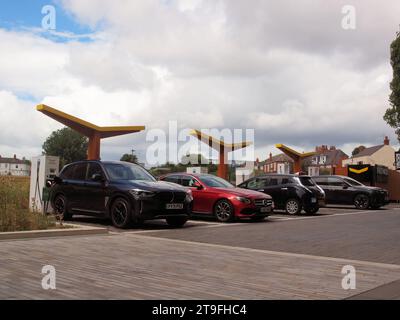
43,169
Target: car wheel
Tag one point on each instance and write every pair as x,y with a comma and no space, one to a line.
361,201
311,210
120,213
223,211
293,206
61,208
176,222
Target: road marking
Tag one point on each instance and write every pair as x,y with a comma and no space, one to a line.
277,253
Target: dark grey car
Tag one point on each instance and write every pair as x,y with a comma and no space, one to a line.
347,191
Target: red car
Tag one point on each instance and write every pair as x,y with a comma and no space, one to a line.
215,196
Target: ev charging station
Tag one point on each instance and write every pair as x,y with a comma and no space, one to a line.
43,168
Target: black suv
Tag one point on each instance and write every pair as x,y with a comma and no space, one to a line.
345,190
122,191
289,192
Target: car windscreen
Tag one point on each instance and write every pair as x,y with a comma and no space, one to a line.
117,171
307,181
352,182
215,182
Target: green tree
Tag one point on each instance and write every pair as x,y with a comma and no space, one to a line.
392,115
130,158
357,150
67,144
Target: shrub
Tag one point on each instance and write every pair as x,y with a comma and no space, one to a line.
14,207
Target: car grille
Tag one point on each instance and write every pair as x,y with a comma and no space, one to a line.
263,202
171,196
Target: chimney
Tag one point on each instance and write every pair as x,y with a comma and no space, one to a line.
332,148
15,156
386,142
270,156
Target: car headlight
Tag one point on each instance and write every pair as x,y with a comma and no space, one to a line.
243,199
139,193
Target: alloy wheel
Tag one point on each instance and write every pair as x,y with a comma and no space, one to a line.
292,207
361,201
120,213
223,211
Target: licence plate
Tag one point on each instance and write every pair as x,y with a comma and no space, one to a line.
265,209
172,206
313,200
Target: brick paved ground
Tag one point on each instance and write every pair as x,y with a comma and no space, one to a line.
282,259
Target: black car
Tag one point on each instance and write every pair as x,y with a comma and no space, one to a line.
122,191
345,190
289,192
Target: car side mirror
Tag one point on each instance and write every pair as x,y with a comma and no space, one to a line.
97,177
345,186
49,183
197,185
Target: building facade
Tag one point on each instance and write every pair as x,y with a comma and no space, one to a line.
14,167
327,160
383,155
280,163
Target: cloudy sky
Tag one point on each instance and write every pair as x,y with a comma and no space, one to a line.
289,71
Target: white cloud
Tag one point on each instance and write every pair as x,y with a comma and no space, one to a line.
294,75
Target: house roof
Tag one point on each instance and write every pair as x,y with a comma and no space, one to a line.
12,160
369,151
333,157
277,158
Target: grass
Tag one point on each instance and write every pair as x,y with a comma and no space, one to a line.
14,207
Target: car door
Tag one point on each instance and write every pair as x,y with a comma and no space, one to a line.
323,183
274,187
200,203
77,196
95,191
345,192
337,190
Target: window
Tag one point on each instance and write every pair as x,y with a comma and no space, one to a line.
323,181
287,181
94,168
352,182
188,181
336,182
173,179
127,171
216,182
80,171
307,181
67,172
254,184
272,182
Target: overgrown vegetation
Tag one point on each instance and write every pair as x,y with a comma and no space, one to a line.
392,115
14,207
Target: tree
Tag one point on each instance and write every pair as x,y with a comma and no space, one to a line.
392,115
67,144
130,158
357,150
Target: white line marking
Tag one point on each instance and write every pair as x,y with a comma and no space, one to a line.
279,253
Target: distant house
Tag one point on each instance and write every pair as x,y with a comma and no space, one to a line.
327,160
382,154
279,163
14,167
